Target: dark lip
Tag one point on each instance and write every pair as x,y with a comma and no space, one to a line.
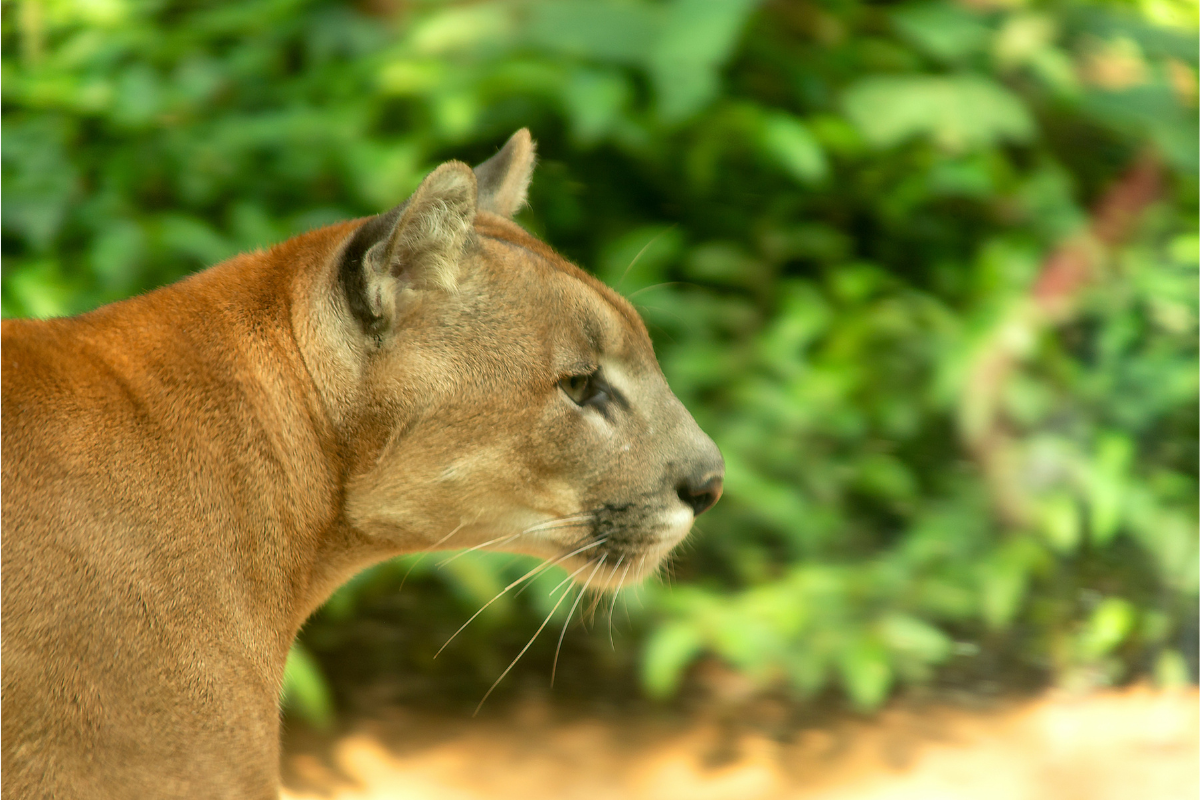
629,530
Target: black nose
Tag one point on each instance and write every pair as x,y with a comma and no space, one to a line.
701,493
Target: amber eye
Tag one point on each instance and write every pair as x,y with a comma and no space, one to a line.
582,389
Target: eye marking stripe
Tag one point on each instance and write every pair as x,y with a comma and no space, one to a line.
614,394
606,375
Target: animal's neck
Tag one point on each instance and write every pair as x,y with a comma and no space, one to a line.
298,389
241,402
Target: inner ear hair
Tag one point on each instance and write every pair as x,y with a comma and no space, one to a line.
417,245
504,178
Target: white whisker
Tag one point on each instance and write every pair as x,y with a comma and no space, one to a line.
560,559
558,586
564,580
540,567
462,553
536,570
523,649
554,524
425,551
575,605
645,247
564,522
408,572
656,286
616,594
457,528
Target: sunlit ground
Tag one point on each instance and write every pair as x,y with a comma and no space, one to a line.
1114,745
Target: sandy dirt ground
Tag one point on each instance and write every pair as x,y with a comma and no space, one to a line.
1115,745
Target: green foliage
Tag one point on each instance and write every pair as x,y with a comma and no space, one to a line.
959,113
304,690
836,218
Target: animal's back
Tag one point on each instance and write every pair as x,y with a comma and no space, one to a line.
101,665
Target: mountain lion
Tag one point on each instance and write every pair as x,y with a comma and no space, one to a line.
188,474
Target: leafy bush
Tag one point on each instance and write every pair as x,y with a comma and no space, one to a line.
926,271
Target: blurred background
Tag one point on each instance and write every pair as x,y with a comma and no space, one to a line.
925,270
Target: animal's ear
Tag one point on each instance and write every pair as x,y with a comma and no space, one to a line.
504,178
417,245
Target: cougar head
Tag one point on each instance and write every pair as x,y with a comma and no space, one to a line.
499,395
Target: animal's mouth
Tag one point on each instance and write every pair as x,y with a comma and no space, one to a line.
624,541
619,544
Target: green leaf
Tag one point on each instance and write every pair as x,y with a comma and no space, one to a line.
790,145
1110,623
455,113
1186,249
39,178
1060,523
959,112
697,37
38,290
915,638
138,96
887,477
383,175
747,641
193,237
1171,670
117,253
725,262
1023,37
946,31
1107,486
1152,111
807,670
304,689
1005,580
410,77
594,101
595,29
461,28
866,674
670,649
477,579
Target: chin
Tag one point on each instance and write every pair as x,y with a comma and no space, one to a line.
626,566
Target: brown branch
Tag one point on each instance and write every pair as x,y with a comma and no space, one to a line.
1065,273
1073,263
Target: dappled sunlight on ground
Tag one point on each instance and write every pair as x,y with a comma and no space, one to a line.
1107,746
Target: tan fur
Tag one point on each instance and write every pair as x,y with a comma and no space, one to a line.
187,475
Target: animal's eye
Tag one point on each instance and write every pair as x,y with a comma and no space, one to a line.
583,389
